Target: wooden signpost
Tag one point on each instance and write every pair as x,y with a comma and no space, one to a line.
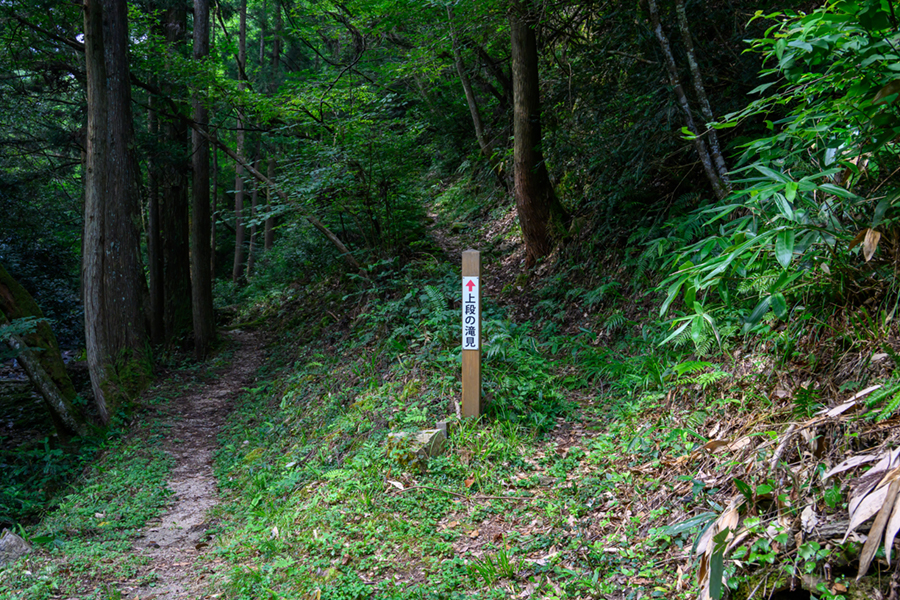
471,333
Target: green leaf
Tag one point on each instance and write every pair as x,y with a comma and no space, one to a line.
784,247
779,306
756,316
784,206
790,192
881,209
772,173
697,330
672,294
838,191
744,489
690,293
716,568
675,334
688,524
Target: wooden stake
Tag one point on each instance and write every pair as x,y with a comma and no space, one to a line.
471,334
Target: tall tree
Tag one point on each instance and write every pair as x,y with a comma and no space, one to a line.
238,266
201,276
175,204
155,266
269,235
254,201
124,282
96,167
715,148
541,215
112,275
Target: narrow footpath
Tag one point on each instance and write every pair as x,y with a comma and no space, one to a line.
174,542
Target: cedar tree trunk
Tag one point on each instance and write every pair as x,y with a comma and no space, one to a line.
201,278
541,215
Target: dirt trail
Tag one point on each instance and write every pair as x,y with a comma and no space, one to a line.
175,541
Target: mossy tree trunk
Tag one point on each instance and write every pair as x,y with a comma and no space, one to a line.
44,366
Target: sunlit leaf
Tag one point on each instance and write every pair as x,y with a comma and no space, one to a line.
784,247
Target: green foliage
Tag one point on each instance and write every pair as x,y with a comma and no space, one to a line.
813,196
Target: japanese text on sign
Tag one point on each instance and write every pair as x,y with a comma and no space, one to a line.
471,313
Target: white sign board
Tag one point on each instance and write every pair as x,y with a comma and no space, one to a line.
471,314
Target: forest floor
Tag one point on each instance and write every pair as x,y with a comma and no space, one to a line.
175,540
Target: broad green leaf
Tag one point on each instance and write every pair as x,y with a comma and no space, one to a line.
756,316
784,247
790,192
697,330
676,333
837,191
688,524
772,173
779,306
880,210
716,568
744,489
784,207
690,293
672,294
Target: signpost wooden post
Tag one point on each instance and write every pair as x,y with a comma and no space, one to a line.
471,333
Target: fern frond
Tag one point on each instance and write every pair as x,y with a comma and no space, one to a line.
436,301
889,409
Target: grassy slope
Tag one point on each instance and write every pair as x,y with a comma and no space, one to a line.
588,478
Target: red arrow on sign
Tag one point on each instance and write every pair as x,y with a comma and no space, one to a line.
470,285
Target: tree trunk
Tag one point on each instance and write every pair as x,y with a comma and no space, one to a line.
238,268
112,274
719,187
154,239
45,369
201,278
541,215
269,241
705,109
214,200
215,210
175,203
96,167
487,149
269,236
254,199
125,286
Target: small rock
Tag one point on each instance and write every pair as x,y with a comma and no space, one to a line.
12,547
414,449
